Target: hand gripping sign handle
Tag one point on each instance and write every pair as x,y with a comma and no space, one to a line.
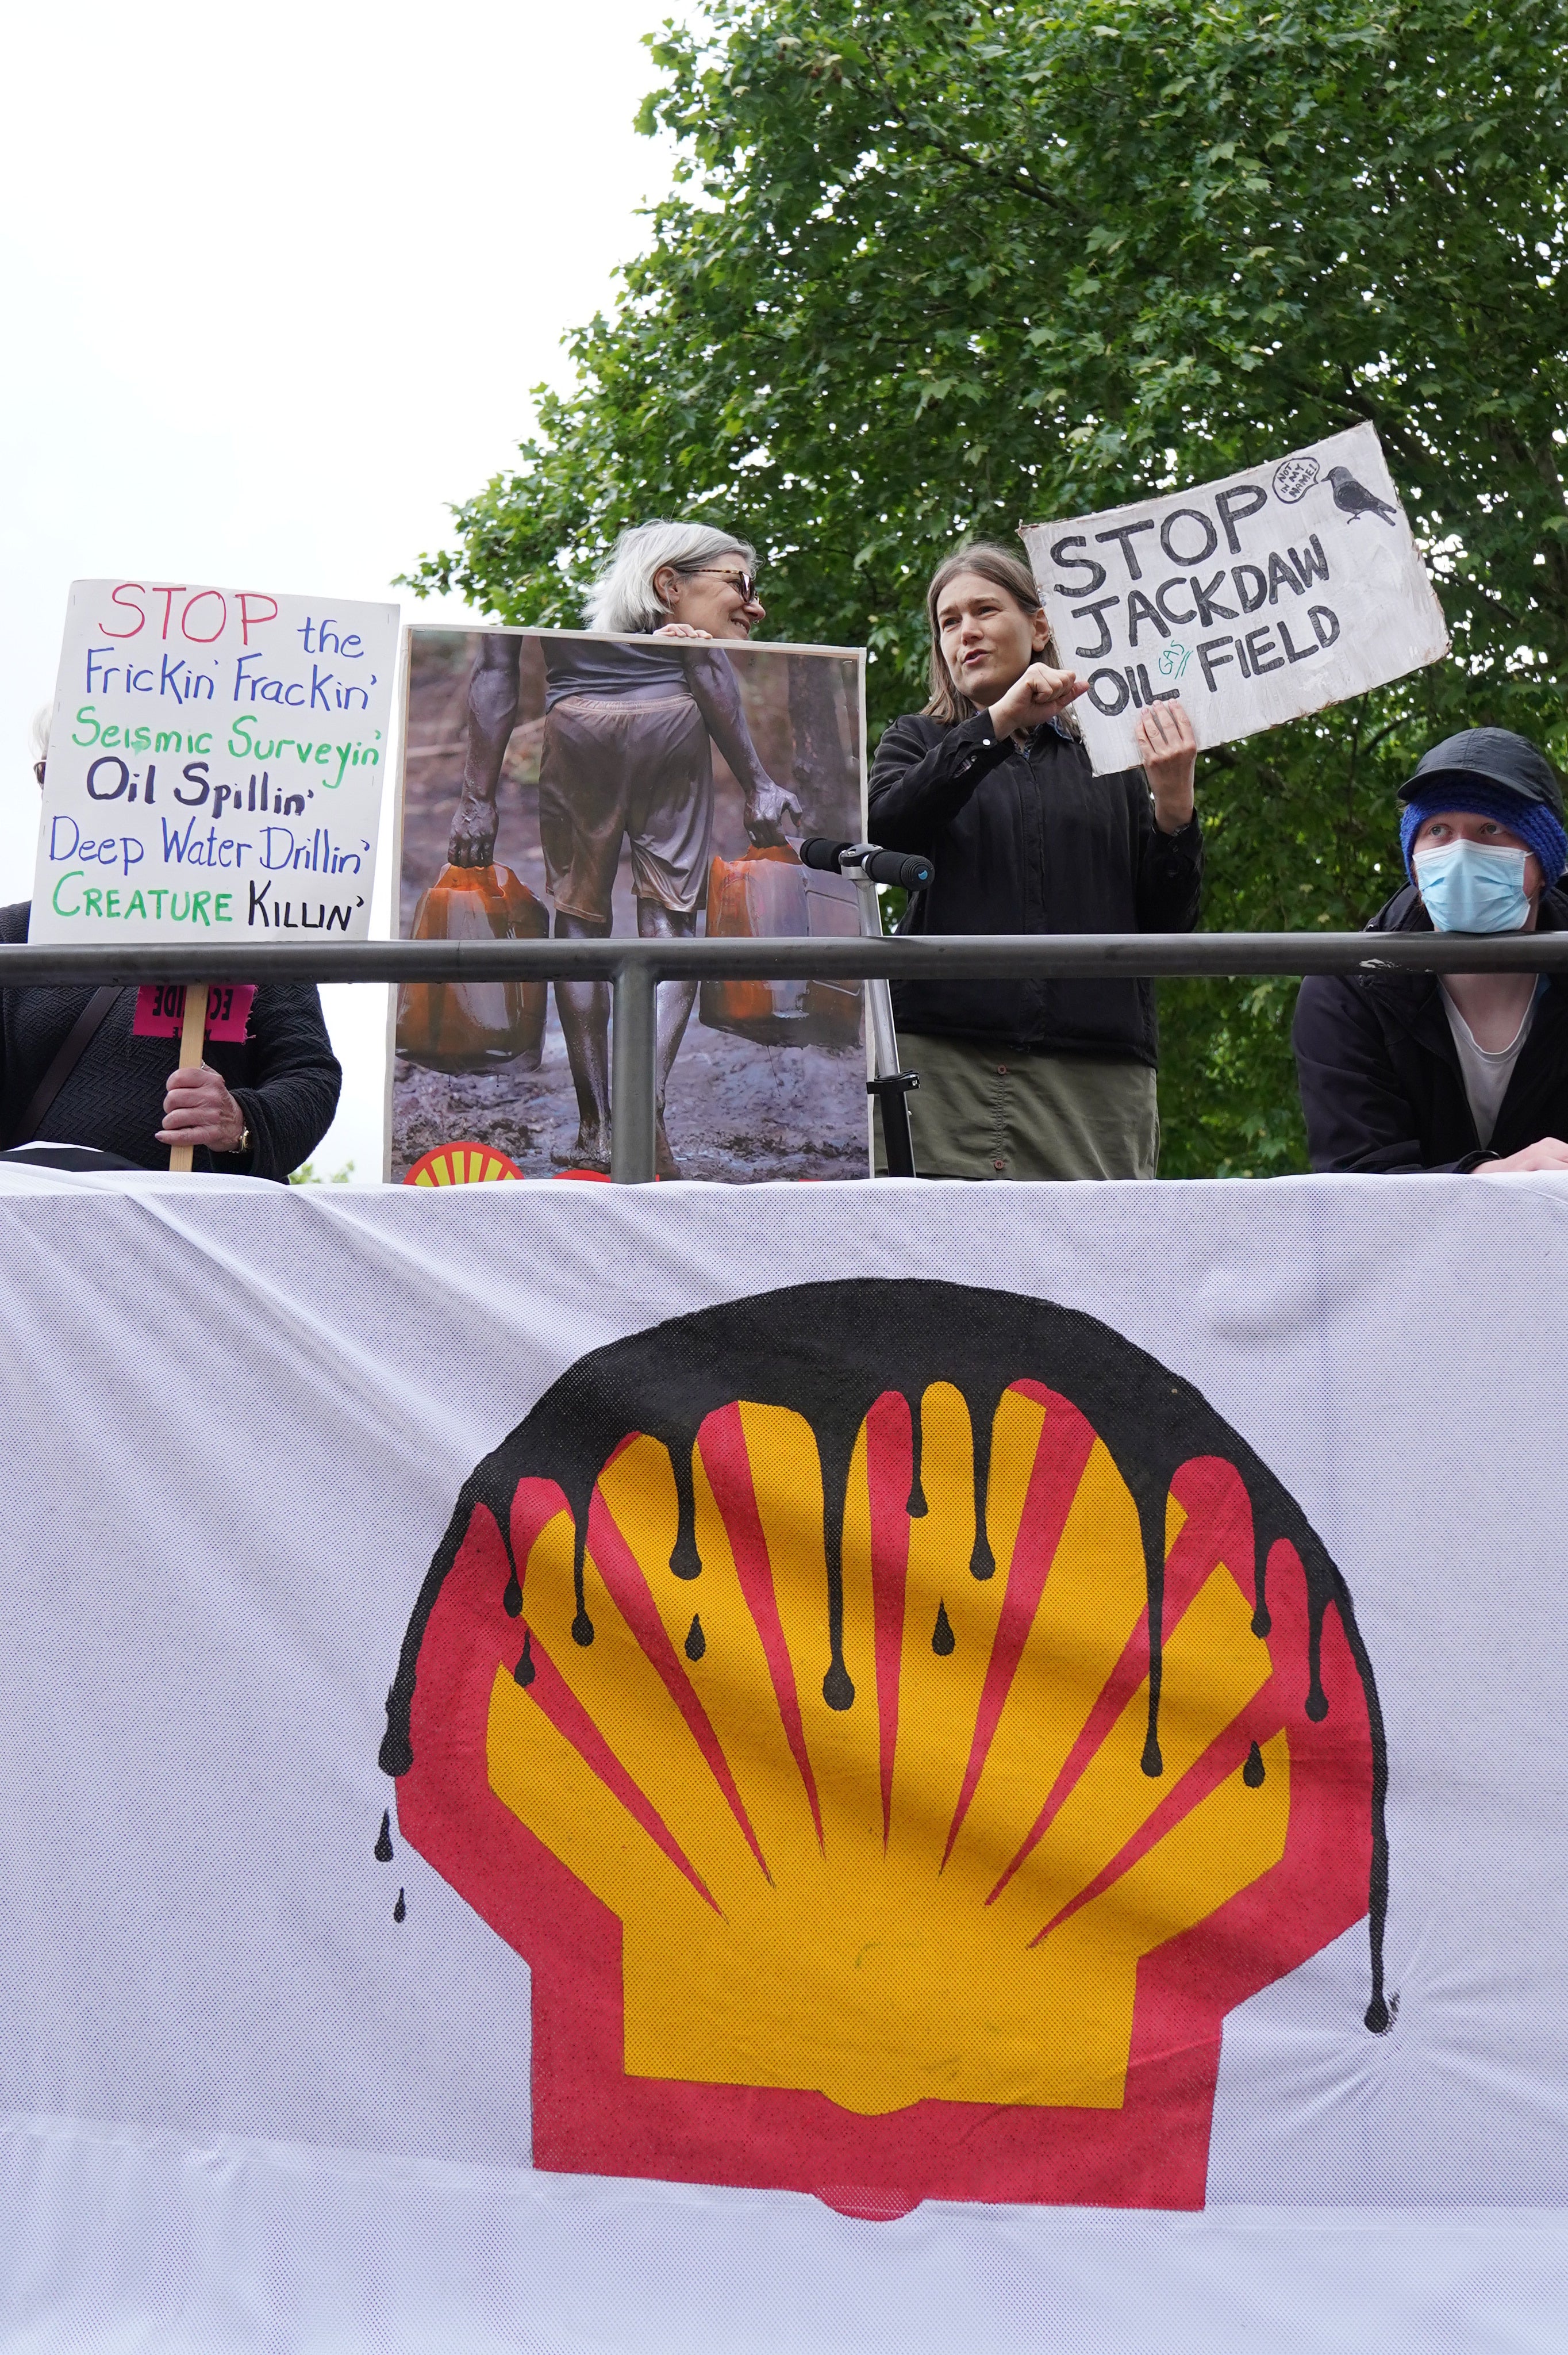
167,1010
868,866
193,1040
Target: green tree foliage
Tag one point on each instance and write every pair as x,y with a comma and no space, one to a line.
936,268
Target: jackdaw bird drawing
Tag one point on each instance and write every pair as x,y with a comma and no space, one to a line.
1353,498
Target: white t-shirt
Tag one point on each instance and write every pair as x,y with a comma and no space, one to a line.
1486,1070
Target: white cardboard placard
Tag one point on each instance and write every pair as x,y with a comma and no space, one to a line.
216,764
1255,599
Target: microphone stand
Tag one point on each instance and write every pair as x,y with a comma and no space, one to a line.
867,865
889,1084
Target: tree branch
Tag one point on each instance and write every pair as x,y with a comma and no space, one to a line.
1016,179
1227,759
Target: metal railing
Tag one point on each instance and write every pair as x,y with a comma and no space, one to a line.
634,968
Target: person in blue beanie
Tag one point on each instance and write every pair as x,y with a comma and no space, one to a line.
1403,1072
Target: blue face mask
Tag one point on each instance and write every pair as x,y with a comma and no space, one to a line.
1473,886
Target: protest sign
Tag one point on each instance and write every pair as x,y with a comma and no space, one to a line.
161,1010
1255,599
215,767
622,776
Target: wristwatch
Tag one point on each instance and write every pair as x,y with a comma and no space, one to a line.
243,1147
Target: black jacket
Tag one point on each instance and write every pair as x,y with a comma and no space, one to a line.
284,1076
1380,1084
1029,842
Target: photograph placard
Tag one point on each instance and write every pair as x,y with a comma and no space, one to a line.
585,785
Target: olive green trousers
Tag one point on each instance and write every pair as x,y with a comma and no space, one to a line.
989,1111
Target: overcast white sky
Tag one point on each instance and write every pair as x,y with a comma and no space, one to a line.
276,286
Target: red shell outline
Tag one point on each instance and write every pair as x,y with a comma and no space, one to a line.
590,2118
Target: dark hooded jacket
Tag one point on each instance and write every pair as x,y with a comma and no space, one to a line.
1382,1087
283,1075
1030,841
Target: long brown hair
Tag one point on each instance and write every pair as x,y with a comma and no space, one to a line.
1004,571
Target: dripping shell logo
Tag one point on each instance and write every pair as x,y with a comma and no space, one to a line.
896,1723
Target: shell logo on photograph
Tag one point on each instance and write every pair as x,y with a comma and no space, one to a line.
464,1164
896,1723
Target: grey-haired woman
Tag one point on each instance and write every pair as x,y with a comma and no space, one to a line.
627,757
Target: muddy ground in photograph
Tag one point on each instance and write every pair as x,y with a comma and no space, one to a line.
735,1111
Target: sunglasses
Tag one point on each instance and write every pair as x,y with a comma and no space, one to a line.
745,582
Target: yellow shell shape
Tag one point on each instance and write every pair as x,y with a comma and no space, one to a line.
856,1943
460,1164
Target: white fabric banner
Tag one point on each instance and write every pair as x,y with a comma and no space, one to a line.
264,2083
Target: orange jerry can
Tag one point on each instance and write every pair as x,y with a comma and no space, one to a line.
768,895
469,1026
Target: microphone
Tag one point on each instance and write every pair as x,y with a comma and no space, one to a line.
910,870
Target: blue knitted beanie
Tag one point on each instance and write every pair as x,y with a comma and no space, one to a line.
1533,822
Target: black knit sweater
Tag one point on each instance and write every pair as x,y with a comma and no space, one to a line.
284,1077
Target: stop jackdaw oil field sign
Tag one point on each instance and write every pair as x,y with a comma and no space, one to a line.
1271,594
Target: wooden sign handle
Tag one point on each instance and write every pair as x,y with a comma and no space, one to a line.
193,1042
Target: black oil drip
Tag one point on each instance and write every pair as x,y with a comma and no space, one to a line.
582,1626
943,1639
1261,1621
836,1435
383,1850
1253,1771
524,1672
837,1690
400,1911
1381,2010
1326,1588
916,1507
396,1753
512,1600
1317,1699
827,1353
684,1559
697,1642
983,1562
1151,1520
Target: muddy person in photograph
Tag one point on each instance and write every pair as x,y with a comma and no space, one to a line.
628,753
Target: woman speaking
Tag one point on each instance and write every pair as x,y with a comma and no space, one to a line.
1030,1078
